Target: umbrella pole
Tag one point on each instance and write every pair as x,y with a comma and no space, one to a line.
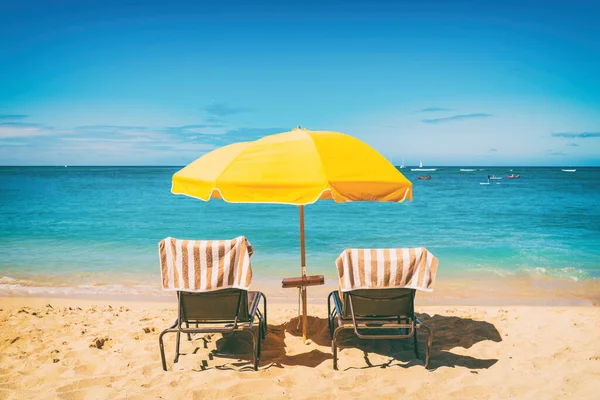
303,265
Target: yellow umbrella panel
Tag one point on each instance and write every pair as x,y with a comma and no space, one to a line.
297,167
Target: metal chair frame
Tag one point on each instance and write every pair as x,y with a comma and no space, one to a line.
243,325
373,326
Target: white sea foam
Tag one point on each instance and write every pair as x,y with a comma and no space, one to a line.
571,273
10,286
566,273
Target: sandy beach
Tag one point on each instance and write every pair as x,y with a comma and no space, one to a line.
431,160
90,348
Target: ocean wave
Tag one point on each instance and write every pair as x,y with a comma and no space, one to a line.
571,273
10,286
496,271
567,273
7,280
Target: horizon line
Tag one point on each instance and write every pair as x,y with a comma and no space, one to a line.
397,166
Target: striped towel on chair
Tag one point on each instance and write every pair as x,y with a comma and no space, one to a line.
205,265
386,268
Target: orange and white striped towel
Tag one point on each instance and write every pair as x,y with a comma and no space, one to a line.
205,265
386,268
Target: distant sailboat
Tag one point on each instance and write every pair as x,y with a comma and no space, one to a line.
422,169
402,166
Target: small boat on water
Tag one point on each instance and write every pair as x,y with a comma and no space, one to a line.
402,166
569,170
423,169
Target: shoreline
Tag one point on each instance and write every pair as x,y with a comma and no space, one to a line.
474,290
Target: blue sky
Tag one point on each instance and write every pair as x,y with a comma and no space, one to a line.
449,83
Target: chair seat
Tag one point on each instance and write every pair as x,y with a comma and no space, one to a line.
375,314
222,311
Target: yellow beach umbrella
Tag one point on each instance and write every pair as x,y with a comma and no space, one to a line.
297,167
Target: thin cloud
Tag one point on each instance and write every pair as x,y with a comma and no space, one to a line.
118,144
223,109
455,118
240,135
12,124
213,119
111,128
12,117
576,135
435,109
195,129
556,153
24,130
493,150
11,143
210,133
572,145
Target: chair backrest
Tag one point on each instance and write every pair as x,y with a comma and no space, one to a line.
398,268
217,306
379,302
205,265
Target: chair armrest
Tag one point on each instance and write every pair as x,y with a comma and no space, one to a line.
254,308
337,302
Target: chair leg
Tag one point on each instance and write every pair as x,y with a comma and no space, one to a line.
161,344
177,347
262,327
334,347
429,343
189,335
416,344
265,315
255,348
162,348
258,340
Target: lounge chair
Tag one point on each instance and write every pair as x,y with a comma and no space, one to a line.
211,279
376,295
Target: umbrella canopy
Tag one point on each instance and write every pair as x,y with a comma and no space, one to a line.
297,167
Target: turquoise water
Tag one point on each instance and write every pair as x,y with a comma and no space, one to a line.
75,226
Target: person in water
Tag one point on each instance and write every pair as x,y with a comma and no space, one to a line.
488,178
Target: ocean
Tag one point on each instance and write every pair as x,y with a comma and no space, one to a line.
96,229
